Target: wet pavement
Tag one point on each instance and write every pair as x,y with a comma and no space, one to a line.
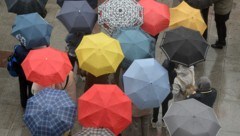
221,66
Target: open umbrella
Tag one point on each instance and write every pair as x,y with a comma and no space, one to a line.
185,15
46,66
191,118
114,14
135,43
26,6
156,16
146,83
199,4
94,132
32,30
105,106
50,113
184,46
77,16
99,54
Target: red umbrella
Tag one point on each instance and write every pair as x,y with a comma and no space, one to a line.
156,16
46,66
105,106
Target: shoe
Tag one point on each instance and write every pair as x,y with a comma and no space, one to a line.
164,125
155,124
217,46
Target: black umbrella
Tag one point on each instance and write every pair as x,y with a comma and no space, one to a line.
92,3
199,4
77,16
184,46
26,6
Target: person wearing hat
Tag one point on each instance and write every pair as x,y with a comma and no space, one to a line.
205,93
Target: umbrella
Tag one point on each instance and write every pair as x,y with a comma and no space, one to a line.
146,83
199,4
32,30
94,132
184,46
185,15
156,16
114,14
105,106
99,54
191,118
92,3
46,66
50,113
135,43
77,16
26,6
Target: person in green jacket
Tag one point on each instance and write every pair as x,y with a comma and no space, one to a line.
222,9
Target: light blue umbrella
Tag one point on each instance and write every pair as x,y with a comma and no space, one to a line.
146,83
32,30
135,44
50,113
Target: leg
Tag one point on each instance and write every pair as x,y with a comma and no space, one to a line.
23,90
29,86
204,13
145,120
155,114
165,104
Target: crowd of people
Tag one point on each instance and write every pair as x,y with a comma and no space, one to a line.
181,78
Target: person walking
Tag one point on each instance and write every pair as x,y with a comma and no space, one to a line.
185,76
222,9
24,85
204,92
169,66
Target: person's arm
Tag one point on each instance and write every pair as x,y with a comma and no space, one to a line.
176,90
193,74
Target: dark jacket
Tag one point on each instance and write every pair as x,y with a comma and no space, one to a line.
207,97
169,66
20,53
73,40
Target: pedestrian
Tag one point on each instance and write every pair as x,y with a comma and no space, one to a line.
69,85
91,80
185,76
169,66
204,92
222,9
24,85
204,13
140,122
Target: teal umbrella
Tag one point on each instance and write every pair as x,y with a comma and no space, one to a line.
135,44
146,83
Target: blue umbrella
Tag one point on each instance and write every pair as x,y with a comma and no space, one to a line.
146,83
135,44
32,30
50,113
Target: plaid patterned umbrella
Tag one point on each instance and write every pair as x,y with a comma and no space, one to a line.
94,132
114,14
50,113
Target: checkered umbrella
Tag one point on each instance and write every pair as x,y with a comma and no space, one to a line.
94,132
113,14
50,113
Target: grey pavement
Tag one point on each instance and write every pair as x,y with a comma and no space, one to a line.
221,66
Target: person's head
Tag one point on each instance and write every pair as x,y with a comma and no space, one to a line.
190,89
203,84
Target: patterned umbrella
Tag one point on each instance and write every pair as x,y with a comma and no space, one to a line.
114,14
50,113
94,132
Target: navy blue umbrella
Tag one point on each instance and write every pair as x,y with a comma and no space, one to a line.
92,3
32,30
77,16
50,113
26,6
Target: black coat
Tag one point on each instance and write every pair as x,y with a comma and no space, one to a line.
208,98
20,54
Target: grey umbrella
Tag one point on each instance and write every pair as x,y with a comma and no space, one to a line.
77,16
191,118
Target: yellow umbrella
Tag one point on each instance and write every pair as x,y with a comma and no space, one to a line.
99,54
185,15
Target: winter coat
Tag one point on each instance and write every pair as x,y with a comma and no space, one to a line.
70,86
185,76
222,7
206,97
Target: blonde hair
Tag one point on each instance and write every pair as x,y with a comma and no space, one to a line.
190,89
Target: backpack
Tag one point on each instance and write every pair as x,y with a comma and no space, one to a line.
12,64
